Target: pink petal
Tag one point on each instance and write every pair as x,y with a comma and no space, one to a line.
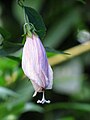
35,64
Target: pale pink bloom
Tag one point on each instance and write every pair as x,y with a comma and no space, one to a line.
35,65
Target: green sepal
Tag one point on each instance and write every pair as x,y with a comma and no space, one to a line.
36,20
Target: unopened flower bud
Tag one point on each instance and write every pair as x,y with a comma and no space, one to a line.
35,65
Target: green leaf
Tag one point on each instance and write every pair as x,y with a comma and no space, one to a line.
14,58
6,35
67,118
10,117
9,47
32,107
82,1
55,51
7,108
68,106
4,92
35,18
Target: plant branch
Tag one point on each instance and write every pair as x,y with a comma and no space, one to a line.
75,51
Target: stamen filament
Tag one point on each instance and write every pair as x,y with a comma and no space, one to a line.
43,99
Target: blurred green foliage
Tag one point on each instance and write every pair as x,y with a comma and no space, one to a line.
70,96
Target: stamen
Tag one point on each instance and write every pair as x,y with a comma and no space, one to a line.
43,100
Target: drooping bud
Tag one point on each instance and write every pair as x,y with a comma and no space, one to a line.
35,65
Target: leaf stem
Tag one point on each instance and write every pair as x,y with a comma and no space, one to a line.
25,20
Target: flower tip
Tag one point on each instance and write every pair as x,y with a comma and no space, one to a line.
35,93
